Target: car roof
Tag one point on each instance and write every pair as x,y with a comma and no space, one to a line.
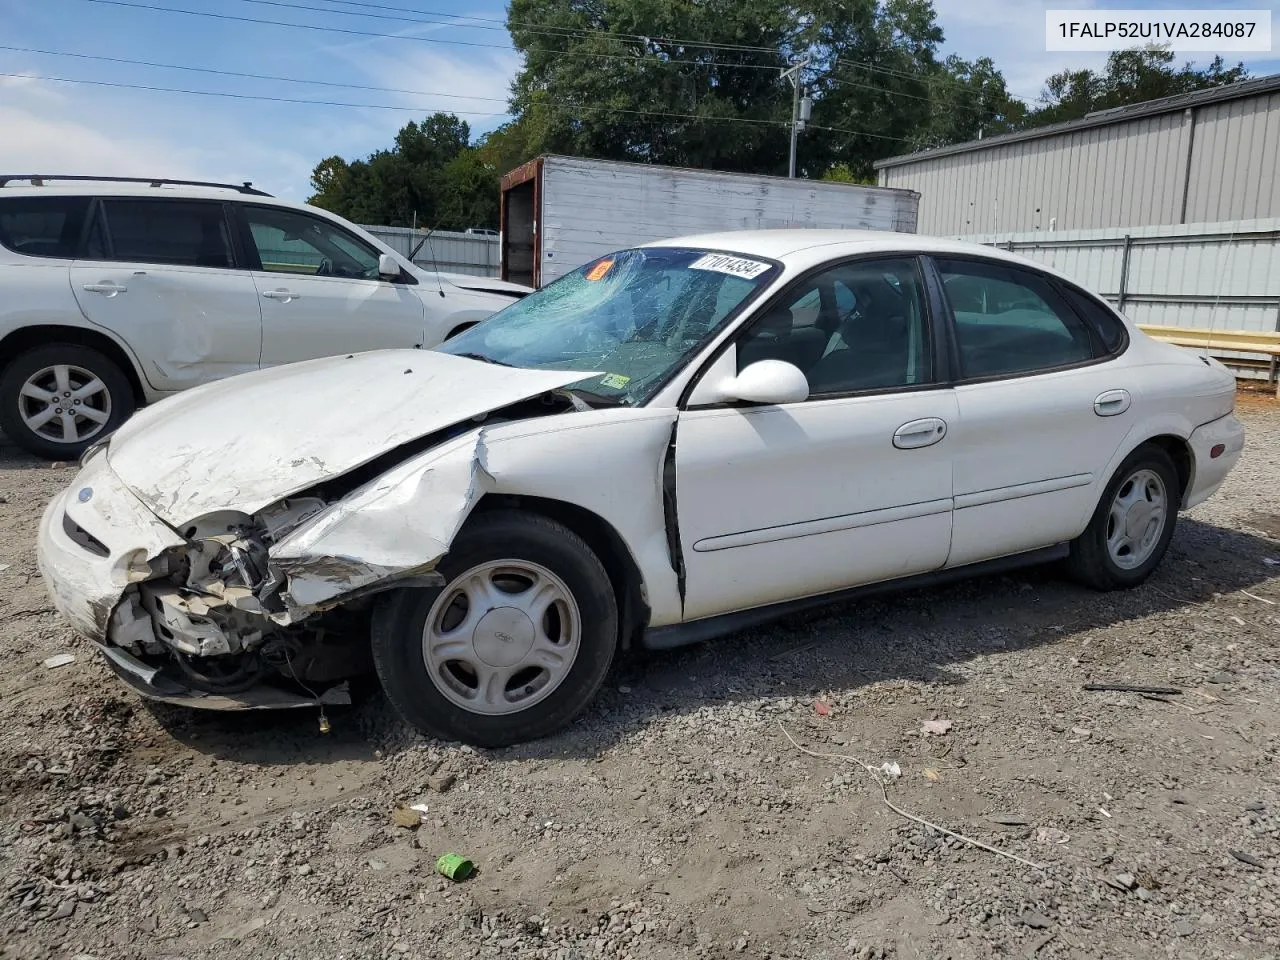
801,248
780,244
109,188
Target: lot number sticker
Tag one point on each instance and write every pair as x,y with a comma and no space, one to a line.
734,266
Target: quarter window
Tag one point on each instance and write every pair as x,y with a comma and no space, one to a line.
189,233
1009,321
1108,327
291,242
42,226
858,326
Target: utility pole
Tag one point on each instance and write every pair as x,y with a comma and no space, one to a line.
800,110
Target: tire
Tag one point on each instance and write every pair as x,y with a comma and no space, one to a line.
1092,561
438,699
83,365
460,328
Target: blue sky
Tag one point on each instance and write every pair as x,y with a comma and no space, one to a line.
48,126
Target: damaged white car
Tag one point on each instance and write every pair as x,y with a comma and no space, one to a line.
667,444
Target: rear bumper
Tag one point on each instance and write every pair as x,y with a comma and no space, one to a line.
1225,437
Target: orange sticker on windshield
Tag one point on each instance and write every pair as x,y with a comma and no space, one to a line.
599,270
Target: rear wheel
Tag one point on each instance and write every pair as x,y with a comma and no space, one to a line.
1133,524
515,644
57,400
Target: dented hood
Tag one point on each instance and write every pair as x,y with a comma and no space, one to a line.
245,442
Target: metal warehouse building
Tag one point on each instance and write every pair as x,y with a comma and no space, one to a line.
1198,158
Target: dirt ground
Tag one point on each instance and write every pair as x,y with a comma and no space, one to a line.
677,819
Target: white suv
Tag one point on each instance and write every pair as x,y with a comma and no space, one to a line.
116,292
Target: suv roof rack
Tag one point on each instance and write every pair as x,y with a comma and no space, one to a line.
38,179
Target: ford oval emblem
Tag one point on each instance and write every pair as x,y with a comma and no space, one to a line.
86,494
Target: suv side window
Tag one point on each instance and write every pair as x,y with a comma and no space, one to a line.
1009,321
42,226
1109,328
291,242
860,325
186,233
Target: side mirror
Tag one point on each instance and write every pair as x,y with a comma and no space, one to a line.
765,381
388,267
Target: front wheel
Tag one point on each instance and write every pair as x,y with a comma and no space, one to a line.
515,644
1133,524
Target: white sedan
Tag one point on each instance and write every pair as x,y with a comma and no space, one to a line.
667,444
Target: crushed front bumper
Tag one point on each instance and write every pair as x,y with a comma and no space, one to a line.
96,542
159,683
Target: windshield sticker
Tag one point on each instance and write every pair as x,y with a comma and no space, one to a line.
614,380
734,266
600,269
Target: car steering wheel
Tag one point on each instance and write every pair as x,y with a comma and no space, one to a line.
326,268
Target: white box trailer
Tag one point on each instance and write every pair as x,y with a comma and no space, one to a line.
559,213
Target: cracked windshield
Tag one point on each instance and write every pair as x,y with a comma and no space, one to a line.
630,318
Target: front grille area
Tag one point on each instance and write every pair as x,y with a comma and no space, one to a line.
84,538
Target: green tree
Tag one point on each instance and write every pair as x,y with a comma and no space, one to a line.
1131,76
602,78
431,175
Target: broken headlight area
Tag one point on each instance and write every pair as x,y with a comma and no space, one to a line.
212,614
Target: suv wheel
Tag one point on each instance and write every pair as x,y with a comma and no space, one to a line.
57,400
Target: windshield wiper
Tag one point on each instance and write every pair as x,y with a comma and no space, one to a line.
483,359
595,399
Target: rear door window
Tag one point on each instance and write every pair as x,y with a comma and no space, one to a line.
189,233
1009,321
42,226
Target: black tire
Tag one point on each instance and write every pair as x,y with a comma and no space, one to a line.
400,617
118,390
1090,562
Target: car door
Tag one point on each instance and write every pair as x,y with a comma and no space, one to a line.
164,274
1042,408
850,486
320,290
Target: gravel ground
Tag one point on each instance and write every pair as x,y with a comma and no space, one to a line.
677,818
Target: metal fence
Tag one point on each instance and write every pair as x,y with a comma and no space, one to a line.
469,253
1221,276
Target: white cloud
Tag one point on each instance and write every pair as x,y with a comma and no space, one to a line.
475,85
54,129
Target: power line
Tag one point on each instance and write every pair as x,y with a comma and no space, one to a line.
492,23
384,106
926,78
392,36
247,76
637,58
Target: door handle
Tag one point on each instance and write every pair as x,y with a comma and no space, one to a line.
110,288
284,296
919,433
1112,403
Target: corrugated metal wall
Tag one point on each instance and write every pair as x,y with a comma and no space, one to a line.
1235,167
1221,276
1129,173
454,252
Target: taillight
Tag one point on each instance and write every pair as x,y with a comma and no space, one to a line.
1217,450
